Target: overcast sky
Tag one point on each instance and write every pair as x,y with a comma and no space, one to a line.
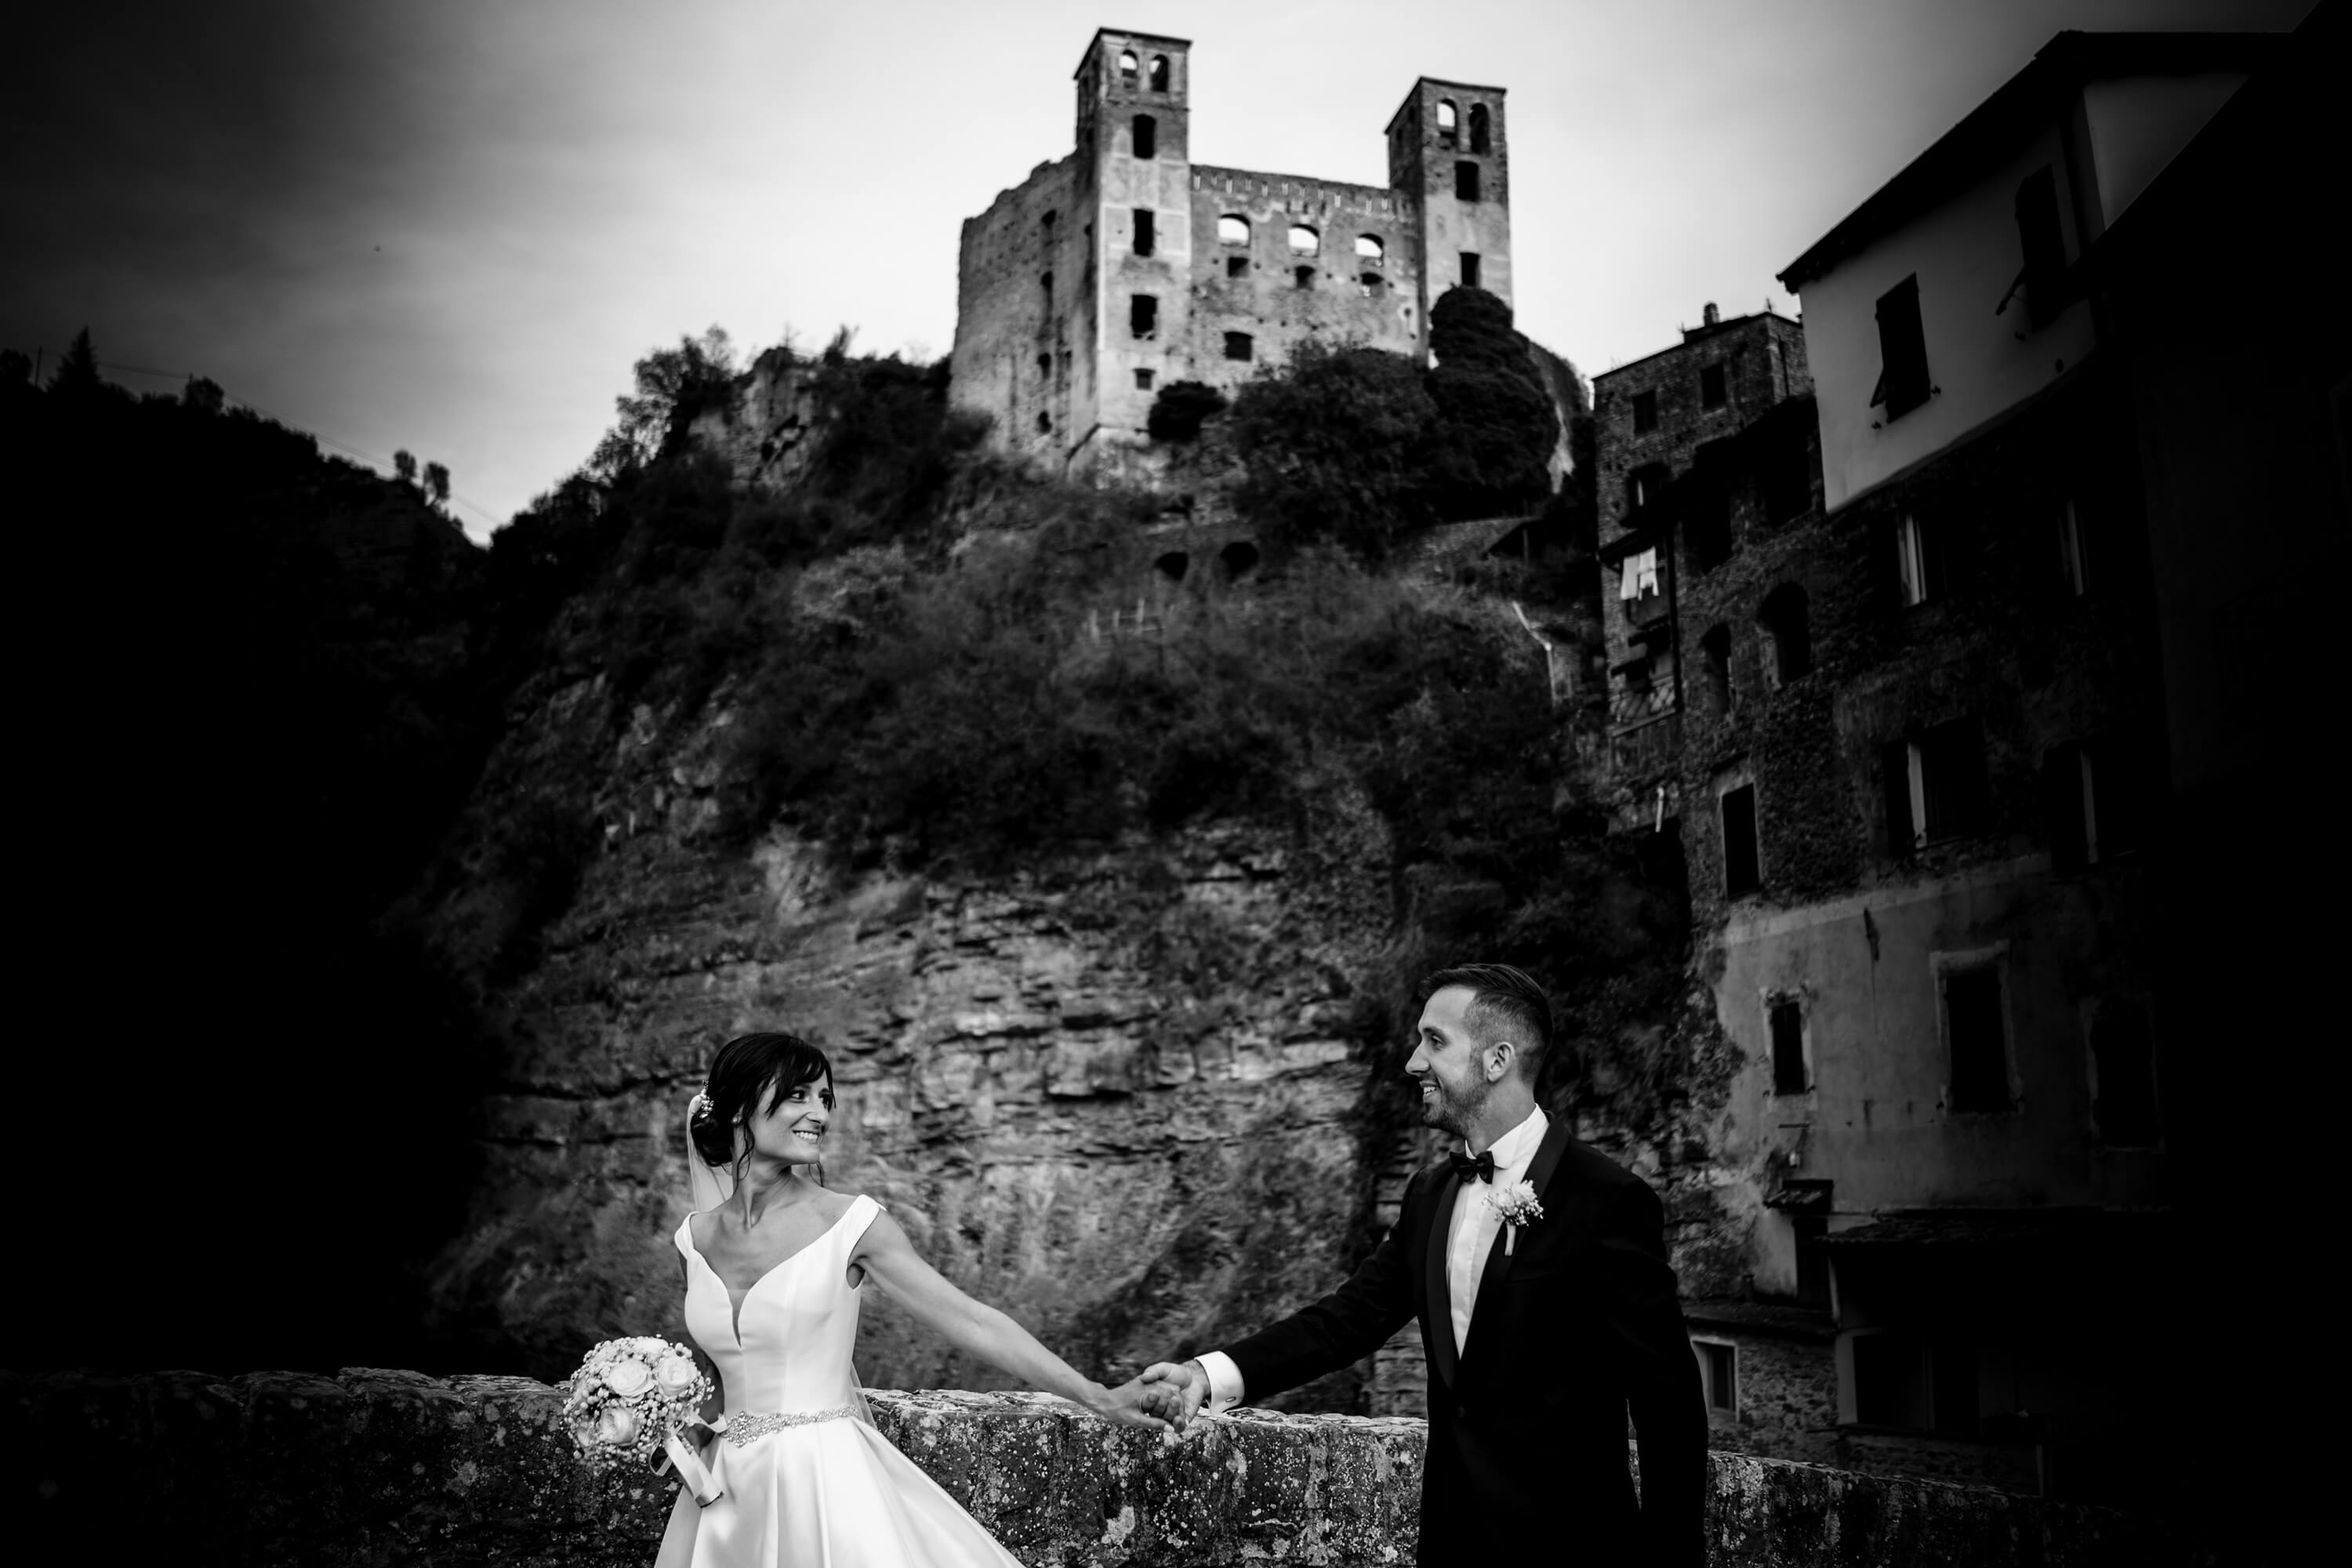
452,226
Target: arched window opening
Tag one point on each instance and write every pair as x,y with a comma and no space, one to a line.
1048,226
1127,68
1239,559
1159,73
1478,132
1715,667
1233,230
1045,288
1304,241
1448,123
1173,565
2123,1074
1238,346
1368,247
1147,136
1304,277
1788,646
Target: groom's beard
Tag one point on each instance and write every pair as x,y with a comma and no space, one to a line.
1454,1113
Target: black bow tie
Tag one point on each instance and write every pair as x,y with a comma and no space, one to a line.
1481,1169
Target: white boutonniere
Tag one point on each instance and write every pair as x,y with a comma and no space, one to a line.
1516,1203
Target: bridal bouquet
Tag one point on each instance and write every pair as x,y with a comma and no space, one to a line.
628,1401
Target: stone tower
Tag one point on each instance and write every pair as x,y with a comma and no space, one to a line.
1449,152
1135,197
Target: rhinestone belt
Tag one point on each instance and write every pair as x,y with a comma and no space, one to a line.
745,1427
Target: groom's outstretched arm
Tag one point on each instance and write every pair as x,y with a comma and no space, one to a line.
1661,1375
1342,1328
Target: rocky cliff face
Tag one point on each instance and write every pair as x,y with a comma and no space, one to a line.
1122,1096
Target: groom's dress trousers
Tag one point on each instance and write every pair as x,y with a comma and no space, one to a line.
1538,1348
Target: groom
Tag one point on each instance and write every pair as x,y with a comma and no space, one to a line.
1540,1336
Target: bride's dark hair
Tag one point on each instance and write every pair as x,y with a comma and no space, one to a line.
745,1067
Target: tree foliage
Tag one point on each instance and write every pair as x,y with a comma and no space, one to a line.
673,385
1497,426
1335,446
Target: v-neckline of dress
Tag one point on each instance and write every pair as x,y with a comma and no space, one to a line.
735,1303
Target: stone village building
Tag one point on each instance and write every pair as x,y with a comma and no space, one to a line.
1124,265
1889,662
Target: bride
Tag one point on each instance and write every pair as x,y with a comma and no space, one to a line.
775,1266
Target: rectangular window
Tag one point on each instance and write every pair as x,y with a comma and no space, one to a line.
1143,379
1465,181
1146,230
1718,1374
1918,561
1787,1048
2043,244
1237,266
1947,772
1902,351
1712,392
1978,1043
1646,485
1470,269
1237,345
2073,561
1143,315
1147,136
2066,806
1741,873
1645,412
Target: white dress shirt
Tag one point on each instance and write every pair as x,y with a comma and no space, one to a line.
1468,1239
1476,1221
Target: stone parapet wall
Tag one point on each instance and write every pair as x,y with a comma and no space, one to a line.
376,1467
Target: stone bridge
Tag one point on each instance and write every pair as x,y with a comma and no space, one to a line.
385,1467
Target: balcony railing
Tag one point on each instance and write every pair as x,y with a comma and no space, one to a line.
1638,706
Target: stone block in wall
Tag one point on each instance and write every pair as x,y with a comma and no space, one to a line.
378,1467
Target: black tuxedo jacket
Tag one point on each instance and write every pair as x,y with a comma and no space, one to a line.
1526,1426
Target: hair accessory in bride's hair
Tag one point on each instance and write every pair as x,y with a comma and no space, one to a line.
703,1105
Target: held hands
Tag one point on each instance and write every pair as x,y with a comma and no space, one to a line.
1135,1402
1178,1391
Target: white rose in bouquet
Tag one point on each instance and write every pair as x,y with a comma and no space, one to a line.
617,1425
677,1373
627,1375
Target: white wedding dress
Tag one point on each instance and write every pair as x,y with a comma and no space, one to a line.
815,1486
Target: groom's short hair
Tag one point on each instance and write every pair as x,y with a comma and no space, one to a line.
1505,1004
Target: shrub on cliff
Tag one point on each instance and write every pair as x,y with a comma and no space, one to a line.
1335,445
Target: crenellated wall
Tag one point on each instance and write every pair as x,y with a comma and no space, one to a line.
1252,287
378,1467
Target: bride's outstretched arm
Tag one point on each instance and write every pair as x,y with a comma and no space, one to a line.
982,1330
